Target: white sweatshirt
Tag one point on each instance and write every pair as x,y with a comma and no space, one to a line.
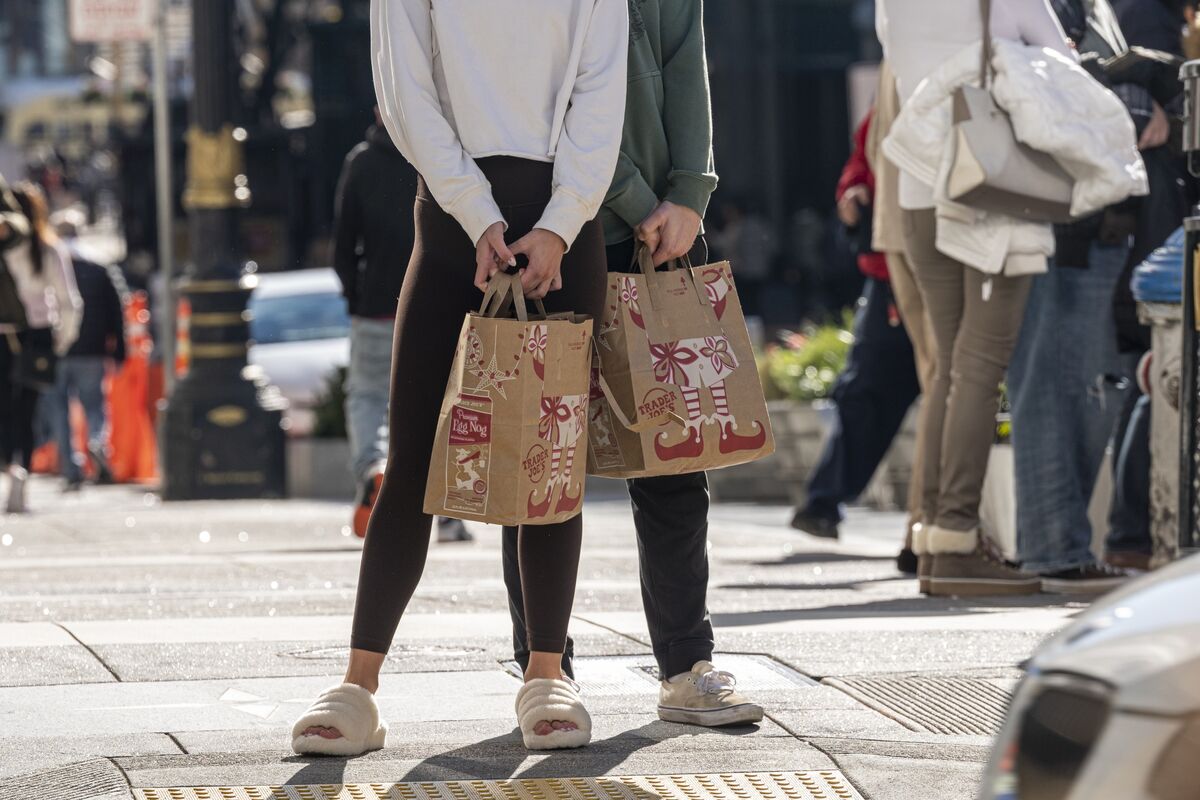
458,80
918,36
51,297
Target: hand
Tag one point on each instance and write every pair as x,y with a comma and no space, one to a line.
669,232
1157,131
849,207
545,252
491,254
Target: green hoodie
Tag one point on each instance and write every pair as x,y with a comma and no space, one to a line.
666,152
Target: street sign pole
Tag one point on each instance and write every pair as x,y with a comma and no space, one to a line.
162,175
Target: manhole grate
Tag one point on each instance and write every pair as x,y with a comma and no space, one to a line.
621,675
827,785
97,779
967,706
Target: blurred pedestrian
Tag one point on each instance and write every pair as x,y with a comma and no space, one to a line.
1068,376
658,197
880,382
1151,24
41,269
887,236
373,240
975,315
96,353
745,239
526,157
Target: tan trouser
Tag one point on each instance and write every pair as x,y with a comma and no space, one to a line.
916,322
975,319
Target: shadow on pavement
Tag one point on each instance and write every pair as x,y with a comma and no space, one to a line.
899,607
819,557
502,757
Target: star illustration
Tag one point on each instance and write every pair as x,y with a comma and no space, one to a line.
491,377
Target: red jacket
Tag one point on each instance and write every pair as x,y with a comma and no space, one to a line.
857,172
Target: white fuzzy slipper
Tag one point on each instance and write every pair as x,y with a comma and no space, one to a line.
349,708
550,700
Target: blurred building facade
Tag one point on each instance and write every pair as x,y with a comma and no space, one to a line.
779,81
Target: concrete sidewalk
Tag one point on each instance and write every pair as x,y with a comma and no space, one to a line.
148,647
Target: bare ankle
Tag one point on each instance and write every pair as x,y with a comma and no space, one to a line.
544,666
364,669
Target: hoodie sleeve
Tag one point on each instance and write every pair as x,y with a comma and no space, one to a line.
347,228
687,111
402,64
591,136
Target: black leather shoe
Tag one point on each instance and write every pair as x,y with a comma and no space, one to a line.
821,527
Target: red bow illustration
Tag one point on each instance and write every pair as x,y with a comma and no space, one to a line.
670,359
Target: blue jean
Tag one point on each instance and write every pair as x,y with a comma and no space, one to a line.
1129,517
1066,384
368,386
81,377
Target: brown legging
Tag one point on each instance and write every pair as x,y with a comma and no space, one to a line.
438,290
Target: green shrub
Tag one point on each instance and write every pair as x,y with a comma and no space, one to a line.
805,366
330,422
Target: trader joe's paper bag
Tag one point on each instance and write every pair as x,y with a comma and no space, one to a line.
680,390
511,444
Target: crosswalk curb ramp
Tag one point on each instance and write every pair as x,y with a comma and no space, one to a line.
812,785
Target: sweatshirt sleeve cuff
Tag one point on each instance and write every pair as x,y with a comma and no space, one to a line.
477,212
692,191
565,215
636,203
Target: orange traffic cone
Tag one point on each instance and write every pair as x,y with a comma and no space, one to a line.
133,448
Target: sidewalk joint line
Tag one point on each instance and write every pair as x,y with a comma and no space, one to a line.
95,655
125,775
853,783
610,629
176,741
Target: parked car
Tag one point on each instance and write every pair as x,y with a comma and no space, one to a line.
1110,707
300,333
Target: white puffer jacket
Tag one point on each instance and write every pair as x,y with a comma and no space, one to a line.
1057,108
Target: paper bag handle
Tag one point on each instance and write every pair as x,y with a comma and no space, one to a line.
504,292
644,260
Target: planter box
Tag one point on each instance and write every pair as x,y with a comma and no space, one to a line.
800,433
319,469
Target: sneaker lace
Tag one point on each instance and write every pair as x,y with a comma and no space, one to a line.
716,681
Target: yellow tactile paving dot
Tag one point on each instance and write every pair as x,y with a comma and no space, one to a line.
825,785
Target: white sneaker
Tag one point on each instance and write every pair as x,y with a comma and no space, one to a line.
705,696
17,477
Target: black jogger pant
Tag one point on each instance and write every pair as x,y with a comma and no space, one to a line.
18,409
438,290
873,395
670,514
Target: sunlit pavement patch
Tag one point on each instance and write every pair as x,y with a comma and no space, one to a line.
824,785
